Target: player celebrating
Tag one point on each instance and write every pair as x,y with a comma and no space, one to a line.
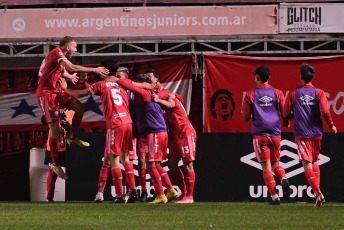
152,140
306,105
119,128
265,104
51,99
183,144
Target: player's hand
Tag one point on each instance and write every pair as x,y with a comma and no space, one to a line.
74,79
102,71
334,129
155,98
63,83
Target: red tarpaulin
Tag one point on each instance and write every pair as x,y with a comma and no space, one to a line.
228,78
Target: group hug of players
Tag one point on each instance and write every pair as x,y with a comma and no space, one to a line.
143,104
145,127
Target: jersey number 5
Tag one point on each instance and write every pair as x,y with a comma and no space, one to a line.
117,98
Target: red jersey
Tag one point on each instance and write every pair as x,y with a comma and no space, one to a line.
176,118
50,72
115,103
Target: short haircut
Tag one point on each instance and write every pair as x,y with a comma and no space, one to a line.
123,70
307,72
155,73
263,72
111,65
143,78
66,40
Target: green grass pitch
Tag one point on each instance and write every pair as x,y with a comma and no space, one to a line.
200,215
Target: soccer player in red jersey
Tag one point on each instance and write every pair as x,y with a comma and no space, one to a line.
121,72
183,145
51,98
264,105
152,137
306,105
119,128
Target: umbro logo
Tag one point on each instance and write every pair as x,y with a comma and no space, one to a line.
289,159
307,100
265,100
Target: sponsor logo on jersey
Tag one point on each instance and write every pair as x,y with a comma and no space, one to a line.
307,100
265,100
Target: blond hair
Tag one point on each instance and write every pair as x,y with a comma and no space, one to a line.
66,40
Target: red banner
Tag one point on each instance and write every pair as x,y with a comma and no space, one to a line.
20,120
228,78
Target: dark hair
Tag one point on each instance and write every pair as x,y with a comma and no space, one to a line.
143,78
65,40
263,72
155,73
307,72
213,101
111,65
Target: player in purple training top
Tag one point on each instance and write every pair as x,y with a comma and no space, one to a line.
307,104
264,105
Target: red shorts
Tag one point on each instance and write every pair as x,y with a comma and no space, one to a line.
154,146
118,140
132,154
308,149
51,103
267,148
184,147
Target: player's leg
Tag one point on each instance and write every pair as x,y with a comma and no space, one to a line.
79,109
141,166
177,174
156,180
262,151
117,178
103,177
131,194
276,168
190,178
51,181
305,150
160,141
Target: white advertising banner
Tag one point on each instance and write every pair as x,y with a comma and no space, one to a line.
311,18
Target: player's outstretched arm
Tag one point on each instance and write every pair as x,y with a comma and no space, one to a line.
74,93
81,69
167,104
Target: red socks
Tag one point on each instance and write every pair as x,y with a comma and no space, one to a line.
164,177
117,181
316,171
279,172
51,180
312,181
129,176
156,179
103,176
54,151
75,126
190,182
179,179
270,182
142,177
